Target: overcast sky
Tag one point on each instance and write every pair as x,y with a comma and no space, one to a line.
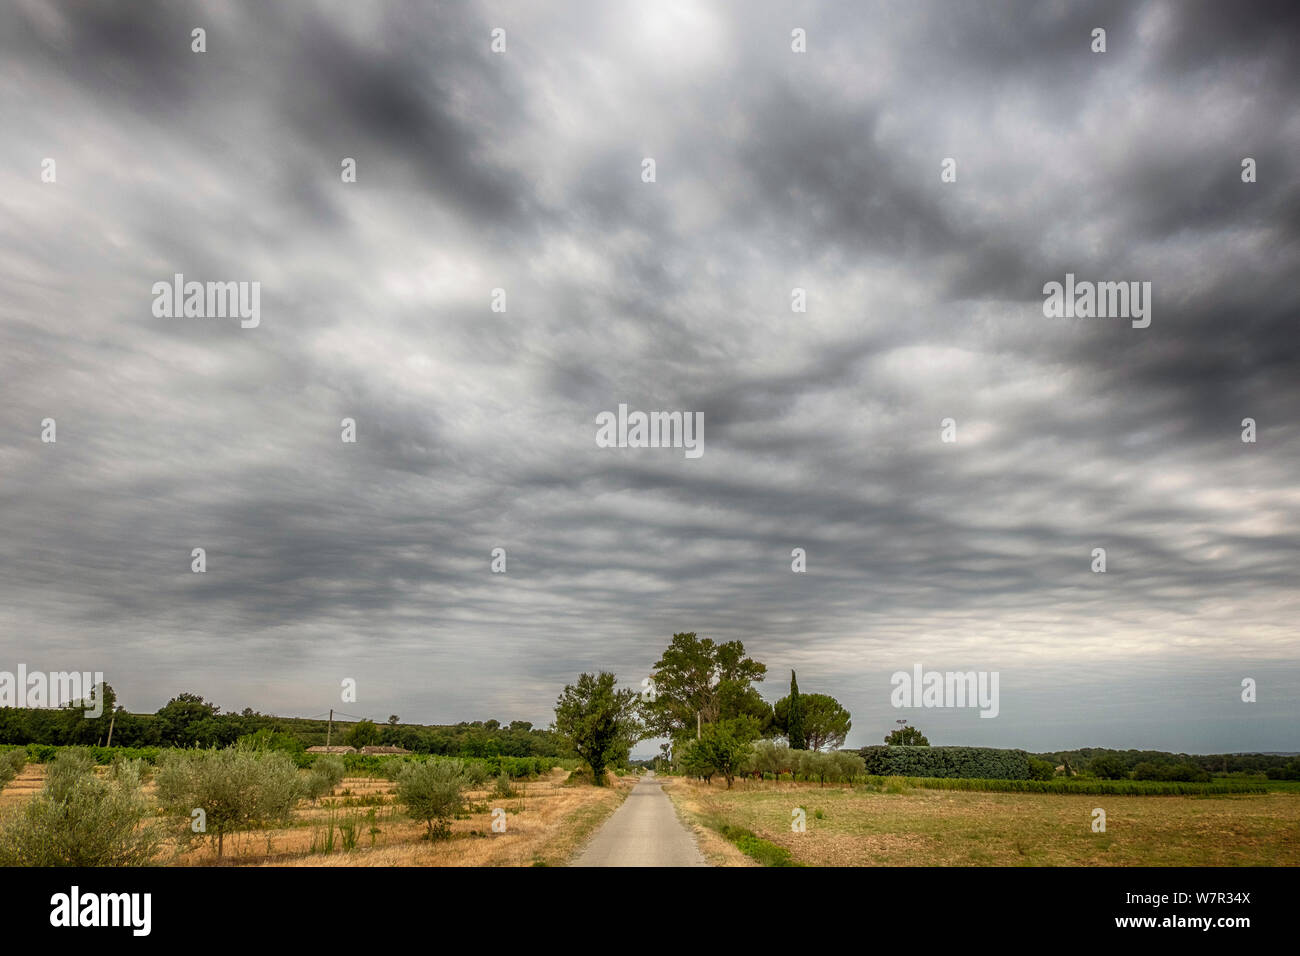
476,429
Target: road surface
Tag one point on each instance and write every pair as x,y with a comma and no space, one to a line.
644,831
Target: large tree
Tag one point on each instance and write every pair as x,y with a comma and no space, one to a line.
824,721
598,721
696,678
185,719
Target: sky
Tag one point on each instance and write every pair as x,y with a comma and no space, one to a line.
774,170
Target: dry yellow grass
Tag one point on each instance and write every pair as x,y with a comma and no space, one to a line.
691,811
24,786
959,828
545,825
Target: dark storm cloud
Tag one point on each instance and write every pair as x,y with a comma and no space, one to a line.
476,429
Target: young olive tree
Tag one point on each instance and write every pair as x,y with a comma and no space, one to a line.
82,819
235,789
325,774
433,791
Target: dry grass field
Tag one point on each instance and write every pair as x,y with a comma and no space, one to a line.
953,828
545,825
23,787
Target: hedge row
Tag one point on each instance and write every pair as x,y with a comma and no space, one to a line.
975,762
1081,785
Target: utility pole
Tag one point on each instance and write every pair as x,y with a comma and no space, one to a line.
329,727
111,720
697,724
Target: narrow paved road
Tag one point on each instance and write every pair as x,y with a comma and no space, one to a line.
644,831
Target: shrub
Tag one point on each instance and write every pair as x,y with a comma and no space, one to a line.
1108,767
11,765
434,791
80,819
69,766
752,845
846,766
1290,771
326,774
1041,769
236,789
475,772
975,762
578,778
503,786
1184,772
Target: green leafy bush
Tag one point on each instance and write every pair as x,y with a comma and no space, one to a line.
503,787
1185,772
752,845
11,765
326,773
1041,769
974,762
1108,766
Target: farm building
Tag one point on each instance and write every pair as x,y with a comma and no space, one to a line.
331,750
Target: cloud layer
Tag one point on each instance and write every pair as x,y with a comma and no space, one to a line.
476,428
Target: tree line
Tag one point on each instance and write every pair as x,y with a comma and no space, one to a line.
187,720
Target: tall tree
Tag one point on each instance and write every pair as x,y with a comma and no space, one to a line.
825,721
794,726
598,721
696,678
184,719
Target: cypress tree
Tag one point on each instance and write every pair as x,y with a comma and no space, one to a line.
794,726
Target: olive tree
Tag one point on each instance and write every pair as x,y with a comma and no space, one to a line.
82,819
815,765
325,774
235,789
774,757
847,765
433,791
